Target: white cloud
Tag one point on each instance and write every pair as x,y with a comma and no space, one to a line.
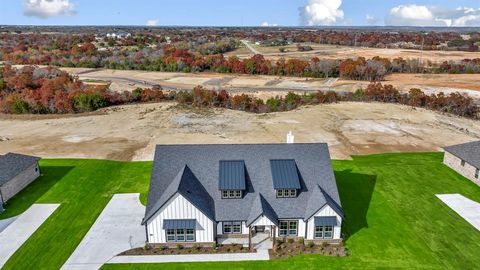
419,15
48,8
153,22
321,12
371,19
267,24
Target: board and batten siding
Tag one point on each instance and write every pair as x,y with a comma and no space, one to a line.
467,171
180,208
326,211
262,221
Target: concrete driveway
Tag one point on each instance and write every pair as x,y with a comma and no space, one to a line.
117,229
466,208
17,232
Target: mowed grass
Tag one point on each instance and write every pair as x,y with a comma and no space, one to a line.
393,219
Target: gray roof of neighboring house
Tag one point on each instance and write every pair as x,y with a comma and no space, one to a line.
13,164
470,152
284,174
232,175
317,180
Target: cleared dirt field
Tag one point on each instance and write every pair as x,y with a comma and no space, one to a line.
266,86
131,132
343,52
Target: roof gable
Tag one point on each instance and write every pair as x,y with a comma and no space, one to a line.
285,174
261,207
318,199
232,175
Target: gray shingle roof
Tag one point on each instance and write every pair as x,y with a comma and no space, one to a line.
284,174
470,152
13,164
312,160
261,207
232,175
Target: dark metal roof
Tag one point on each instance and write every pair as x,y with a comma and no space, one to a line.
325,221
312,161
232,175
179,224
12,165
470,152
285,174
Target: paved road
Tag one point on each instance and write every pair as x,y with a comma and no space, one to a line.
466,208
117,229
13,237
247,44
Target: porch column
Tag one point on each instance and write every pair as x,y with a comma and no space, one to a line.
273,231
250,237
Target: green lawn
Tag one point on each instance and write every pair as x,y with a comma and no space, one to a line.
393,219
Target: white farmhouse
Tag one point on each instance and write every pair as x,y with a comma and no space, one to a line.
465,159
202,194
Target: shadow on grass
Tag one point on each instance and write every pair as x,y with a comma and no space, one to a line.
355,193
50,175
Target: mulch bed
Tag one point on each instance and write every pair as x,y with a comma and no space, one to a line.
287,249
163,250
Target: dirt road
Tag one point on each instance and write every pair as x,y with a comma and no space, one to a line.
131,132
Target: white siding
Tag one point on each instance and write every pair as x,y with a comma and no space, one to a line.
262,221
180,208
326,211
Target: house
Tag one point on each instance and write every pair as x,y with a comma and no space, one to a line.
16,172
202,194
465,159
118,35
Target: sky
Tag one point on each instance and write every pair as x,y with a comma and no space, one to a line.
241,13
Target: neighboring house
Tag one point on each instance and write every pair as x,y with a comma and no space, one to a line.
212,193
16,172
465,159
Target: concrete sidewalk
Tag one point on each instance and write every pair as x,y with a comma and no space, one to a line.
13,236
261,255
117,229
466,208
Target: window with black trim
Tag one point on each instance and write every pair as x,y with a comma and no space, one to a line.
231,194
323,232
286,193
232,227
288,228
462,163
477,173
180,235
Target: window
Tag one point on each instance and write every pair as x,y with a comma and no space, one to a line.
180,235
477,172
232,227
231,194
288,228
462,163
323,232
286,193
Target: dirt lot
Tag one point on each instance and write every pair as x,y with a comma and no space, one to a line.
131,132
343,52
266,86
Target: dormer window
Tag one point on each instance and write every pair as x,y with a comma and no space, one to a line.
285,177
232,179
286,193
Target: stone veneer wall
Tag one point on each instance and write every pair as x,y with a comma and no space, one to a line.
467,171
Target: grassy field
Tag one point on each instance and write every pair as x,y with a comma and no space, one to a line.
393,219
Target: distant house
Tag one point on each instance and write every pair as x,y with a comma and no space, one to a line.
16,172
119,35
465,159
202,194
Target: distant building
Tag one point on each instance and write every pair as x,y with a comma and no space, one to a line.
465,159
119,35
16,172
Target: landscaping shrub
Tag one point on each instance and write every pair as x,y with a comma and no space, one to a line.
301,240
290,240
179,246
310,244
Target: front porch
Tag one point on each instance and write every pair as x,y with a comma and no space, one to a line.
259,238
